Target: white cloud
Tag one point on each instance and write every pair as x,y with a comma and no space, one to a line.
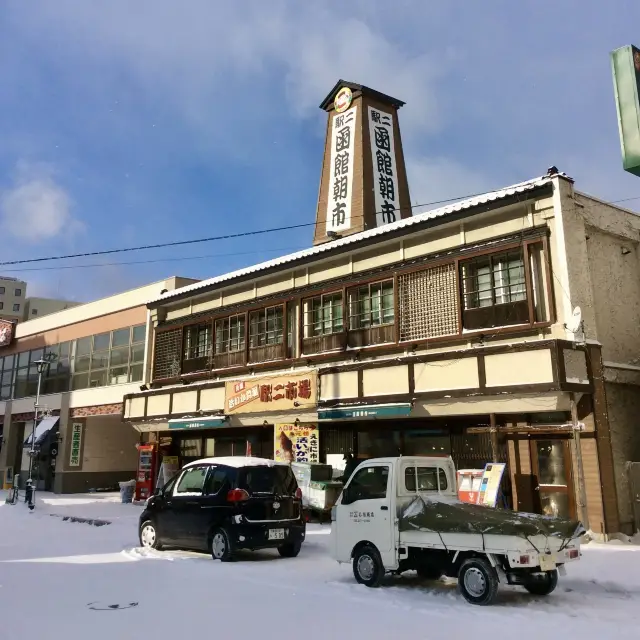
35,208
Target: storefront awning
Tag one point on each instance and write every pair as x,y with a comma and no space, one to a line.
396,410
42,429
198,423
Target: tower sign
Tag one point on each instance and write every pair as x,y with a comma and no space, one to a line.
364,182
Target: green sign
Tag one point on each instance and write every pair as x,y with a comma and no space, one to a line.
625,64
76,441
368,411
198,423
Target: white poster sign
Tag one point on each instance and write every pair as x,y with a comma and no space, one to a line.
385,174
343,133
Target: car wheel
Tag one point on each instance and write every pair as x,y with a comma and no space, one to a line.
148,535
478,581
221,545
367,566
428,572
290,550
542,585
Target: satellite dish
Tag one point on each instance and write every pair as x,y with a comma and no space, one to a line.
575,322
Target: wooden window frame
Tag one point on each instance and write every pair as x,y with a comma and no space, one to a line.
268,352
378,334
227,359
323,342
196,363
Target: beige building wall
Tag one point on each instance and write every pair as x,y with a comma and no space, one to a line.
12,294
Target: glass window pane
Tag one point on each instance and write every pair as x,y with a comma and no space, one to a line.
83,346
369,484
23,359
118,375
551,462
98,378
555,503
5,393
137,353
64,349
209,447
101,341
80,381
8,362
99,361
120,338
135,374
192,480
191,448
139,333
119,356
81,364
37,354
6,378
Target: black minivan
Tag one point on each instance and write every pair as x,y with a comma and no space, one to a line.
221,505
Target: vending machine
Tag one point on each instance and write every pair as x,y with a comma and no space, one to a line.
146,474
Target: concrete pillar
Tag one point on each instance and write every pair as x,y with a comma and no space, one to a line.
64,445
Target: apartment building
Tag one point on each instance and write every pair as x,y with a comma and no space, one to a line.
98,351
13,294
499,328
35,307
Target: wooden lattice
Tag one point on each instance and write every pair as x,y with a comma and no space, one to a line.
428,303
167,354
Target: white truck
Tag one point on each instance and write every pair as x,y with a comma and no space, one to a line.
401,514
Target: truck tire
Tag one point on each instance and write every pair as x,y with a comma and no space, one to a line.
367,566
478,581
221,545
542,585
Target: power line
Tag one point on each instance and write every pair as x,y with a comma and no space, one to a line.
230,236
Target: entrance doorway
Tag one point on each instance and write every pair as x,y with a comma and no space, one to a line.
551,466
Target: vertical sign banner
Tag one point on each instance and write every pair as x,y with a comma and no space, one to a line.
296,443
343,134
76,442
385,174
490,484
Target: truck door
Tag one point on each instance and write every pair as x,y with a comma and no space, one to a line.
366,511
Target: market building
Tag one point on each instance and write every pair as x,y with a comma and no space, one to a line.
499,328
98,352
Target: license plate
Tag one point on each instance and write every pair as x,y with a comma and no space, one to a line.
276,534
547,562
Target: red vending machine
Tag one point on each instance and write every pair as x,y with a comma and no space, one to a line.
146,474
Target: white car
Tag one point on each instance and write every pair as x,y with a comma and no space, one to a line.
401,514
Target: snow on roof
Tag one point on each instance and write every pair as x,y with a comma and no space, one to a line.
236,461
328,247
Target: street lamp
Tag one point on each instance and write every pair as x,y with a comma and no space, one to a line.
42,366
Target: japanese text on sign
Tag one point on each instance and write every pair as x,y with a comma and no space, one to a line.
341,170
296,443
76,441
385,175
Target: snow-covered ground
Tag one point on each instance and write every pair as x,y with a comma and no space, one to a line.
58,579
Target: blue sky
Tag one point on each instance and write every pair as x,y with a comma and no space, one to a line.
136,123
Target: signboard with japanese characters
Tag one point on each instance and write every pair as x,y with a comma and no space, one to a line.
385,173
343,134
7,329
76,442
273,393
296,443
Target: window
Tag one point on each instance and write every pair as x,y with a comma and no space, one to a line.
323,315
230,335
371,305
266,327
139,333
1,305
191,448
34,312
16,307
494,291
197,342
217,480
192,480
18,293
2,291
429,479
369,484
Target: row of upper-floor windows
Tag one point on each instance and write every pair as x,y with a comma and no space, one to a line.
494,290
16,292
112,357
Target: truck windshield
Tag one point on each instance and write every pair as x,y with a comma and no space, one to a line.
276,480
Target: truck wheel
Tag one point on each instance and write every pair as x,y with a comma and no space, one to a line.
542,585
290,549
427,572
367,566
478,581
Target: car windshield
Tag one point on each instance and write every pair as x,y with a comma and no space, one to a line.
276,480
